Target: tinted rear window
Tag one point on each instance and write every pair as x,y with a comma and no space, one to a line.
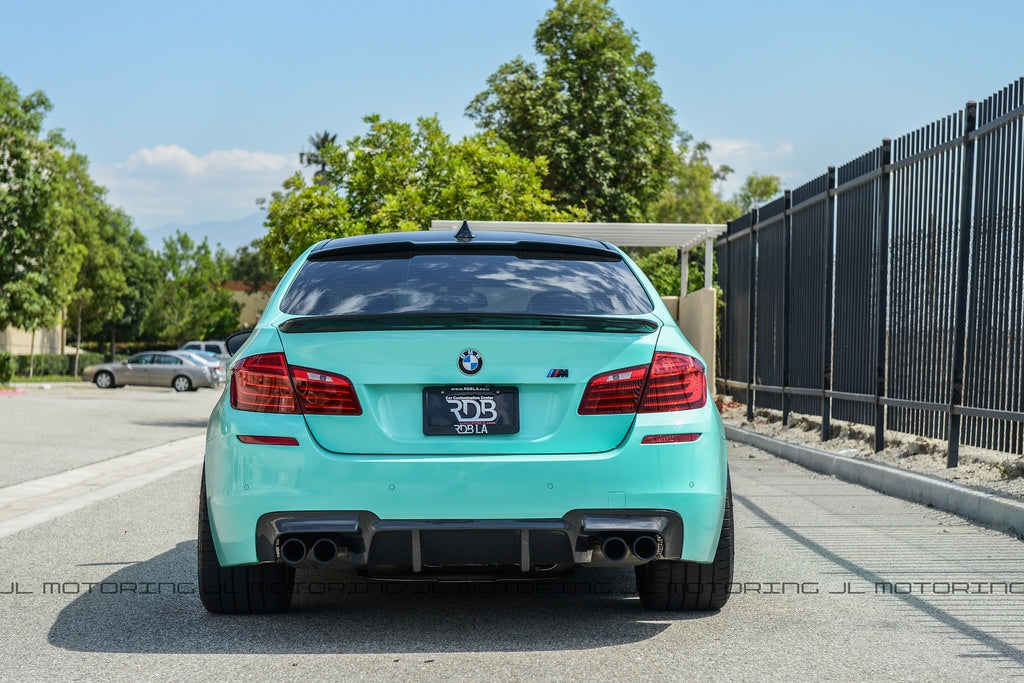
467,282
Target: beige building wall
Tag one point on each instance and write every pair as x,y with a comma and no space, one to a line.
252,304
19,342
252,307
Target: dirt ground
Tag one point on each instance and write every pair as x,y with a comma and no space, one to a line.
991,471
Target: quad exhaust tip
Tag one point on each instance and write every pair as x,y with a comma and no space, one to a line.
324,551
614,548
645,548
293,551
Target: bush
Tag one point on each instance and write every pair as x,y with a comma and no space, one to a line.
85,360
54,364
7,366
125,349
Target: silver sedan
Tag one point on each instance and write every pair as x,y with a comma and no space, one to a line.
153,368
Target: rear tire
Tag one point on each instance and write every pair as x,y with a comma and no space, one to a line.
182,383
245,589
104,380
673,585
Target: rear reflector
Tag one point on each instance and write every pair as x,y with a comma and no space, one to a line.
267,384
268,440
669,438
673,381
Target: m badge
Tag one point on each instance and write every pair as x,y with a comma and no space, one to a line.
558,372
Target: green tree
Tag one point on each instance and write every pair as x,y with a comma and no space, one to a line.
190,302
95,298
690,195
300,215
663,268
252,265
318,141
595,113
142,272
485,180
400,177
38,252
756,190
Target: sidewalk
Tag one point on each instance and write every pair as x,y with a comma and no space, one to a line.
1004,513
32,502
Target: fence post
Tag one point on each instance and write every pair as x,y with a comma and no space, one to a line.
826,344
752,318
787,245
881,291
956,394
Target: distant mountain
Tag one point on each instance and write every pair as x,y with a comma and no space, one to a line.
229,234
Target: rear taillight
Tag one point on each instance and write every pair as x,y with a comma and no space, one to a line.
261,384
673,381
613,393
677,383
324,393
267,384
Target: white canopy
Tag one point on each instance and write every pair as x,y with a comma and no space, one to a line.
685,236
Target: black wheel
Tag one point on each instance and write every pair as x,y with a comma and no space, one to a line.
182,383
672,585
104,380
245,589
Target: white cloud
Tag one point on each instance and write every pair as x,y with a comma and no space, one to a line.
178,159
747,156
170,183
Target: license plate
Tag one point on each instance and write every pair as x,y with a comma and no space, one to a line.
470,410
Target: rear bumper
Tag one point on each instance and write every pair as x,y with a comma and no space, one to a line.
260,495
360,538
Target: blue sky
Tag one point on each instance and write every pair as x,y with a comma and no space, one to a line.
189,111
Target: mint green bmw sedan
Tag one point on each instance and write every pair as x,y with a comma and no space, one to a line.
440,405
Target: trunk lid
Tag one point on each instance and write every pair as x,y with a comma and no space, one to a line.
548,367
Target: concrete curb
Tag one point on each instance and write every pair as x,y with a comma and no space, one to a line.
1004,514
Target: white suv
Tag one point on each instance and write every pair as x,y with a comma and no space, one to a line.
217,347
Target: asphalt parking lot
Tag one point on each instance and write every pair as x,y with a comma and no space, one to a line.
832,581
50,430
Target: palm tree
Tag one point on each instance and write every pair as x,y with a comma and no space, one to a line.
318,141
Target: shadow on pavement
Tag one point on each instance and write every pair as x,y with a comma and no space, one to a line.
154,607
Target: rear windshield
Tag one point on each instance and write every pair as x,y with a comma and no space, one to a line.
516,283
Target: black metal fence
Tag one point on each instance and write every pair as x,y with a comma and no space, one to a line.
890,291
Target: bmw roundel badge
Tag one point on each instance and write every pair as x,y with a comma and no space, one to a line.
470,362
